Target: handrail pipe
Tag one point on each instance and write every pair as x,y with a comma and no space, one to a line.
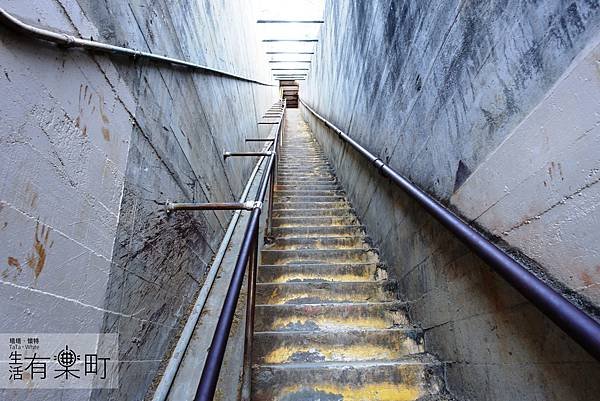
572,320
69,41
247,257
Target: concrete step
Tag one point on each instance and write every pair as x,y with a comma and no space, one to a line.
341,211
310,205
307,168
404,380
304,163
353,345
308,187
302,221
318,231
312,180
331,317
321,293
300,158
309,192
295,243
318,256
357,272
308,177
307,171
303,182
309,198
308,150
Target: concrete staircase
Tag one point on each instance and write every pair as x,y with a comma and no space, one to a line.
326,327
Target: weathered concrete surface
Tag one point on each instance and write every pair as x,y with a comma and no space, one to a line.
434,88
538,190
340,340
92,145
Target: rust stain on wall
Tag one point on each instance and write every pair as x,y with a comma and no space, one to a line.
37,257
587,279
105,134
34,198
14,262
105,119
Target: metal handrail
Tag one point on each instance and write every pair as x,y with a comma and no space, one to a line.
247,256
70,41
572,320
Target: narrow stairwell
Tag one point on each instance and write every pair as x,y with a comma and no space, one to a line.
327,328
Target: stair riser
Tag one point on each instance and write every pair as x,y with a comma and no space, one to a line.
338,317
320,293
312,212
314,221
402,381
309,205
308,199
311,177
316,231
380,345
309,192
308,187
289,244
313,256
320,273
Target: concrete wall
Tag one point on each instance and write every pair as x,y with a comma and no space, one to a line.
491,107
92,145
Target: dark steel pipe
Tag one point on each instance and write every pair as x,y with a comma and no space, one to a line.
238,154
69,41
214,359
572,320
260,139
172,207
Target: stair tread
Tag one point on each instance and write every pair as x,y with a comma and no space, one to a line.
421,359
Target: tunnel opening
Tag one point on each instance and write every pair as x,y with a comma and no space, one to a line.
289,92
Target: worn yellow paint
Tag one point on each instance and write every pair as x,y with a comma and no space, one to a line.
276,298
366,257
334,323
377,391
335,353
307,276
